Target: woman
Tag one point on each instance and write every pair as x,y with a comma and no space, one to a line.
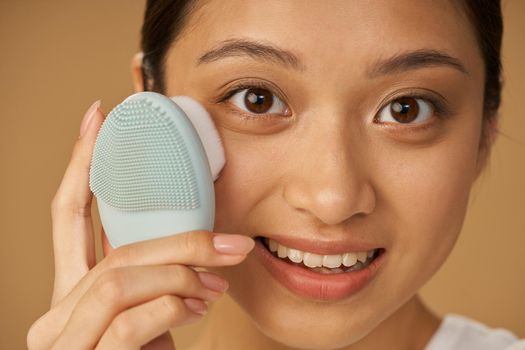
353,132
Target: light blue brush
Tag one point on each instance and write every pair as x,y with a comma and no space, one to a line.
153,167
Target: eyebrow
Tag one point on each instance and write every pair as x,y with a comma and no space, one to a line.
254,49
412,60
265,52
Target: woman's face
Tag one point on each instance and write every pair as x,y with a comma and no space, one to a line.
324,148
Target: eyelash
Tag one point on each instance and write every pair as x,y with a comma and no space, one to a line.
439,108
248,85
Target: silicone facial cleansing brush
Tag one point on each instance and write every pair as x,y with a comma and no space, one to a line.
153,169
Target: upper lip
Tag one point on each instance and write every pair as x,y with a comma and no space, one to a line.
321,247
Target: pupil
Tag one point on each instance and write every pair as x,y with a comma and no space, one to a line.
405,109
255,98
258,100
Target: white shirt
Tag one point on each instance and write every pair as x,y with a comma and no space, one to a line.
458,332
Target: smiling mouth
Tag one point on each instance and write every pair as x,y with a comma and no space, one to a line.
324,264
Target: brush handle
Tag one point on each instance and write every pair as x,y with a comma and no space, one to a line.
123,227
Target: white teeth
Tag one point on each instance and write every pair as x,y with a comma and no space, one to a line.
315,260
361,256
332,261
312,260
273,245
282,251
295,255
349,259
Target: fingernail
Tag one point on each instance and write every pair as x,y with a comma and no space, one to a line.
233,244
213,282
196,305
88,116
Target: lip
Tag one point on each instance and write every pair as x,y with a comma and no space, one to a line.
313,285
323,247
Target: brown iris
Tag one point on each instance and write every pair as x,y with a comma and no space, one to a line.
404,109
258,100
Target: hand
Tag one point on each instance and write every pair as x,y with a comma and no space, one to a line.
136,293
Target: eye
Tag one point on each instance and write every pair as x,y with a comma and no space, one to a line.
256,100
405,110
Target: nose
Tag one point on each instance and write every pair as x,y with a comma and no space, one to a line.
329,178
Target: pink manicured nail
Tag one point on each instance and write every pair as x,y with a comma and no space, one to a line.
233,244
196,305
88,116
213,282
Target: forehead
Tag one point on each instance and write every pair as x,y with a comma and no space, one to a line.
336,33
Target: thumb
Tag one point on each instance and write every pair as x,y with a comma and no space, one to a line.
73,238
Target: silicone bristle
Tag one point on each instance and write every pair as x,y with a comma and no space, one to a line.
140,161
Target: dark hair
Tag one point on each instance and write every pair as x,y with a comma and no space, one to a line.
164,20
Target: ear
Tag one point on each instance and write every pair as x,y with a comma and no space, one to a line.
136,71
488,138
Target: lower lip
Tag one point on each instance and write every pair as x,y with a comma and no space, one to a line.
312,285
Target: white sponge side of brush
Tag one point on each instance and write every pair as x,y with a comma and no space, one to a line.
203,124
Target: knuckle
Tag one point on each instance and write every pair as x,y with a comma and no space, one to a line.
196,244
182,274
110,287
37,336
122,329
173,306
61,205
32,338
187,242
120,257
83,211
57,203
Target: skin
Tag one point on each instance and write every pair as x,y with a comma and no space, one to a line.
329,172
324,171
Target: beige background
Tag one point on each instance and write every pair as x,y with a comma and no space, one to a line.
57,57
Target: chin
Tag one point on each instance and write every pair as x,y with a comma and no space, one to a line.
293,321
302,330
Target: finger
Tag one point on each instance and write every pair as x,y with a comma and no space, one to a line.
139,325
73,239
197,248
122,288
107,248
193,248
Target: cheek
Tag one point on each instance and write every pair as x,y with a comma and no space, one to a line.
247,178
425,196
